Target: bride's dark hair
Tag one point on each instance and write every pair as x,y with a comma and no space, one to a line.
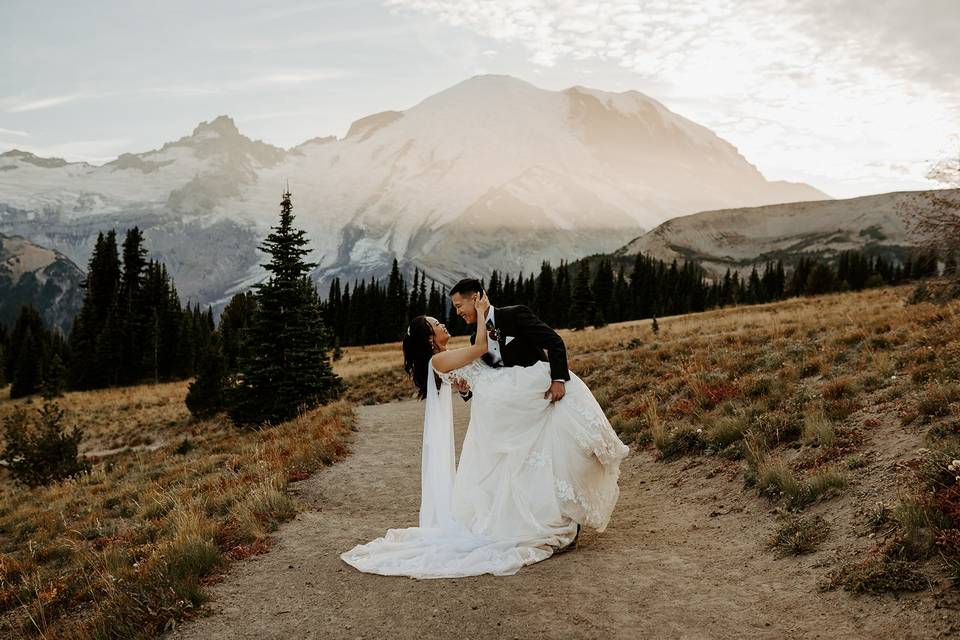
417,351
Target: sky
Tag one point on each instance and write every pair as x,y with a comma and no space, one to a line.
852,96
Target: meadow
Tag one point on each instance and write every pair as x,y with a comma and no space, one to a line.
802,401
799,398
126,550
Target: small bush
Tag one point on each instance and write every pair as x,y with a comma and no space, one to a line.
818,430
839,388
936,402
38,451
775,478
799,535
877,575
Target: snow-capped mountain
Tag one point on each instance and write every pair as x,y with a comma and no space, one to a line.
490,173
740,238
48,280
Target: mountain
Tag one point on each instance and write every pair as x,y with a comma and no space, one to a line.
739,238
490,173
46,279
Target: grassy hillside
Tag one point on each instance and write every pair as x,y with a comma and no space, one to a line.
843,412
846,404
126,550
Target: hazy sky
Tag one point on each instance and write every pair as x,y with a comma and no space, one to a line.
852,96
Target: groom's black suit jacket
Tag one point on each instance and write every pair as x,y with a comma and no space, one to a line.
531,336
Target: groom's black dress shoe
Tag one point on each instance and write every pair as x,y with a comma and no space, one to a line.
573,543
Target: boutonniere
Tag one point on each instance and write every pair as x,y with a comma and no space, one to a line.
493,332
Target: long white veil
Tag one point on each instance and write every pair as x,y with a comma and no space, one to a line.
438,460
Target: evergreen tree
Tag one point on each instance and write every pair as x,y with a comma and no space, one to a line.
396,304
134,319
619,309
28,367
38,451
562,297
101,291
820,280
754,287
287,368
543,300
205,395
235,320
583,308
603,292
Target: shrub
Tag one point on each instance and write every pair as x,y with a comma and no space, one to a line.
878,574
818,430
775,478
38,451
936,402
799,535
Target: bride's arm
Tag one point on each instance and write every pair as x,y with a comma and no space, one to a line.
454,358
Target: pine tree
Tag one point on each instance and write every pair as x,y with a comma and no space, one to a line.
603,292
543,299
28,367
235,320
287,368
87,339
562,296
821,280
754,287
134,320
205,395
38,450
583,306
396,304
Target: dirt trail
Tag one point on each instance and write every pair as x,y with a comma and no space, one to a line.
683,557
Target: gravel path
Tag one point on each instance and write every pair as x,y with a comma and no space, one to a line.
683,557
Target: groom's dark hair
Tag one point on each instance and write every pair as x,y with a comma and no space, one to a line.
467,286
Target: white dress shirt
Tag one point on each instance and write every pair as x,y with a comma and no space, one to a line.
492,345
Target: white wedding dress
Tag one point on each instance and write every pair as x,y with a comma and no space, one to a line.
529,471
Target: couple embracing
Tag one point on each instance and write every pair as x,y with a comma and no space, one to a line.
539,458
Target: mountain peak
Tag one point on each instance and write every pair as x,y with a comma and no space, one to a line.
32,158
223,126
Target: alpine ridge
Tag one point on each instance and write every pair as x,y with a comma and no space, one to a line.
491,173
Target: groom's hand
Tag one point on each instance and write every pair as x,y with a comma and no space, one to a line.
555,392
461,385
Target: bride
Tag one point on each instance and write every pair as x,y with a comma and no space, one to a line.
531,471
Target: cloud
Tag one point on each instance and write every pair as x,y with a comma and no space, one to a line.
13,132
277,78
16,106
285,77
350,35
836,84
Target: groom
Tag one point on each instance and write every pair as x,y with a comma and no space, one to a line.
516,337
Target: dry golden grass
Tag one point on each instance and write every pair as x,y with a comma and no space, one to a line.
124,550
791,373
144,416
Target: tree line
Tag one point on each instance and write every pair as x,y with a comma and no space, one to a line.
130,329
133,329
601,289
266,362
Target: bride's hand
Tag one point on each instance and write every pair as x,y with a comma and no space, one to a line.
482,305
